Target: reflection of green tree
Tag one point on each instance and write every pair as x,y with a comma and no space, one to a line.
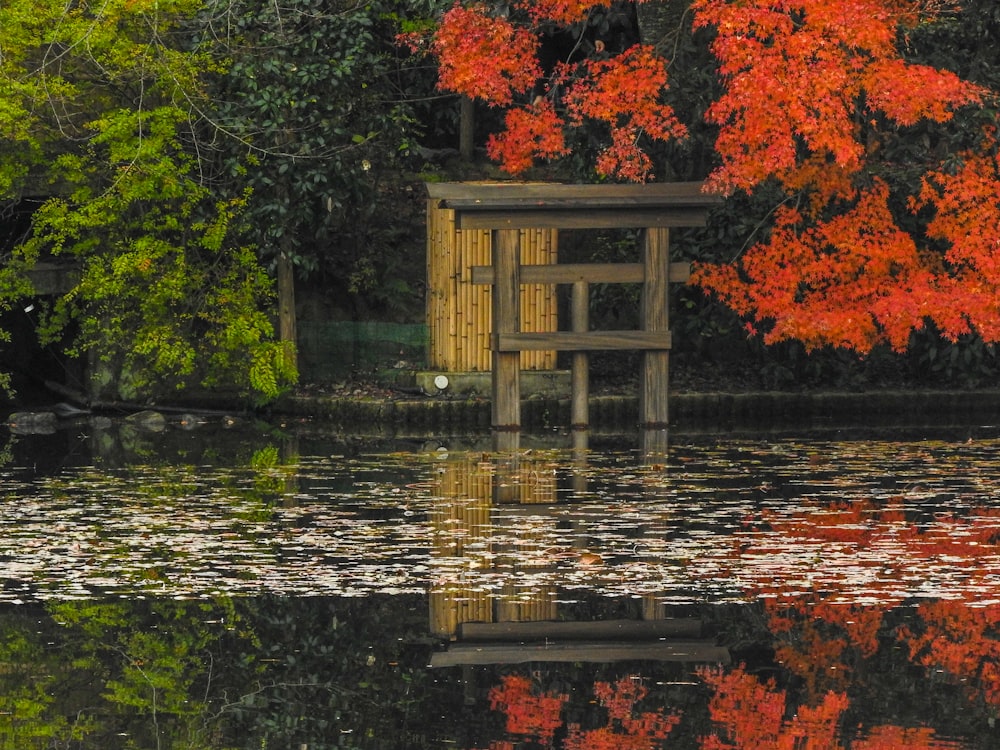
29,674
7,451
153,666
339,673
270,672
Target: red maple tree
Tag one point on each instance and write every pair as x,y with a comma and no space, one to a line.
811,89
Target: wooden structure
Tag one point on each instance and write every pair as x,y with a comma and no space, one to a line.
506,210
459,312
600,641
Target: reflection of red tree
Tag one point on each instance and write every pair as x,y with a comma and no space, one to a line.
815,632
624,731
751,716
536,717
961,640
815,639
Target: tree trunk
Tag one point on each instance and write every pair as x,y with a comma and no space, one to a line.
660,21
287,332
466,129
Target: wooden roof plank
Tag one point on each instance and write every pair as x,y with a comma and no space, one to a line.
583,217
537,194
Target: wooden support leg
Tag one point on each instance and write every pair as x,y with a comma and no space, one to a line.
653,414
506,319
580,377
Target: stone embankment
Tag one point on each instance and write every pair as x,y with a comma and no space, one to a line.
688,411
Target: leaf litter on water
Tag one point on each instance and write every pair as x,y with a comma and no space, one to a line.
715,523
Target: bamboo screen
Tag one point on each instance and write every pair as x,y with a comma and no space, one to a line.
464,538
459,313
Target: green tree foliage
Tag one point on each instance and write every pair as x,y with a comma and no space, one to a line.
99,111
317,107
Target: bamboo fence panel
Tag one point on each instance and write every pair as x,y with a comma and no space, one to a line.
517,604
459,313
463,525
460,517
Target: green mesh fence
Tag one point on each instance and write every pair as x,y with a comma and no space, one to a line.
332,351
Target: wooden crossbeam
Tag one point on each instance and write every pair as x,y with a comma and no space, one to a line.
592,273
570,341
543,195
611,218
615,630
600,652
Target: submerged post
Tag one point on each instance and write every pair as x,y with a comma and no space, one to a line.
506,385
580,374
653,415
506,208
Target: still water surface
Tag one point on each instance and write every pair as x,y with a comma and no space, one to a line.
263,587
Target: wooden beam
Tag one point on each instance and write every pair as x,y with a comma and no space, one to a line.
551,193
625,630
601,652
568,341
574,218
591,273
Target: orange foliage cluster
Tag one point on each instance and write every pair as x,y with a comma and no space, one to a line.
804,80
623,93
488,57
624,730
536,716
810,90
751,714
822,640
962,640
483,56
794,73
532,131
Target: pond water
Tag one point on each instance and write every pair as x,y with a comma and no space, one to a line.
216,585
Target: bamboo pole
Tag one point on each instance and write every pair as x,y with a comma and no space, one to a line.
485,296
453,251
467,245
526,291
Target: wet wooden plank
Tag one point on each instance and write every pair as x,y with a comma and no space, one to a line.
601,652
537,195
625,630
576,218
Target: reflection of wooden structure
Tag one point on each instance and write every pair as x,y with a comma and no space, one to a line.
482,532
600,641
506,210
468,488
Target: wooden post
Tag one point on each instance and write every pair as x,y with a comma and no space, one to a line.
653,415
506,319
580,385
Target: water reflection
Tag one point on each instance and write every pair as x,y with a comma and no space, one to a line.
282,590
